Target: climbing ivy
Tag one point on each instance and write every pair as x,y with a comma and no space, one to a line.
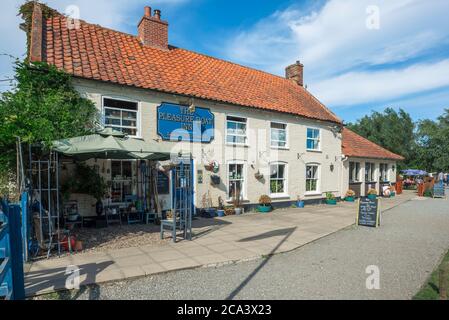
26,13
42,106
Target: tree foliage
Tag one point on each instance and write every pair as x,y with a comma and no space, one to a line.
392,130
43,106
424,144
433,143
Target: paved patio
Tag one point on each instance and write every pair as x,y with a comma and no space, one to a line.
217,241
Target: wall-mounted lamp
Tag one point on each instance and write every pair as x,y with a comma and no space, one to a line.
332,167
192,106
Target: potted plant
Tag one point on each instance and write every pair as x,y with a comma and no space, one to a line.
264,204
350,194
237,201
220,211
330,199
393,192
299,202
229,210
207,205
372,194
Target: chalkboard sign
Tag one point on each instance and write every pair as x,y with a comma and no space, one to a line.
369,212
163,183
438,191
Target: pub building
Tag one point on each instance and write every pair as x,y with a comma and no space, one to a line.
247,130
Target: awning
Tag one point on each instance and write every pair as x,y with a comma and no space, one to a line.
111,144
414,172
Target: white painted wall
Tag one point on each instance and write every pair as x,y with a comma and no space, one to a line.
256,155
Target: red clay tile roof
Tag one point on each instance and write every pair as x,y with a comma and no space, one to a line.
94,52
354,145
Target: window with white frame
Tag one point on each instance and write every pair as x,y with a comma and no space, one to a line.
383,168
313,139
369,172
121,115
278,135
354,171
236,179
312,178
236,132
278,179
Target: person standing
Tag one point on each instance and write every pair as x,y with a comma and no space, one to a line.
441,178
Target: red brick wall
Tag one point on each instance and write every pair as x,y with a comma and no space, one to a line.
153,32
35,54
295,73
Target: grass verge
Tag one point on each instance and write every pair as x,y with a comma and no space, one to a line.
431,290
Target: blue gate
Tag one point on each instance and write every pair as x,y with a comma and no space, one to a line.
11,253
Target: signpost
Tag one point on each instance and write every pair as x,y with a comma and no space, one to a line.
368,214
180,123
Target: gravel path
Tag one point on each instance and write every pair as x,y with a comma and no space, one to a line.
406,248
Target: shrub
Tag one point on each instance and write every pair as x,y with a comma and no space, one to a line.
265,200
372,192
330,196
350,193
428,193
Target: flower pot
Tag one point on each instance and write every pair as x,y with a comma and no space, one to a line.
78,246
220,213
264,209
349,199
238,211
300,204
211,212
331,202
372,196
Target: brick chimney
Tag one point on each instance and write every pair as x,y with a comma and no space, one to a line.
35,48
153,31
294,72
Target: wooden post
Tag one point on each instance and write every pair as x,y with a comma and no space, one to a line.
444,280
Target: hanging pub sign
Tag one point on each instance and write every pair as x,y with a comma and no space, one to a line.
368,214
178,123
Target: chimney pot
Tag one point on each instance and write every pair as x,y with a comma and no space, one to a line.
295,72
152,31
157,14
147,12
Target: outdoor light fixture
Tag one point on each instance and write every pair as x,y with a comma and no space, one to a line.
332,167
192,106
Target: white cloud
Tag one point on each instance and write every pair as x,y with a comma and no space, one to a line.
334,44
362,87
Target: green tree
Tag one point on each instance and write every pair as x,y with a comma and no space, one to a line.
390,129
42,106
433,143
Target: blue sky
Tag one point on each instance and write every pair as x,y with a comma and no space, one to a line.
358,55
